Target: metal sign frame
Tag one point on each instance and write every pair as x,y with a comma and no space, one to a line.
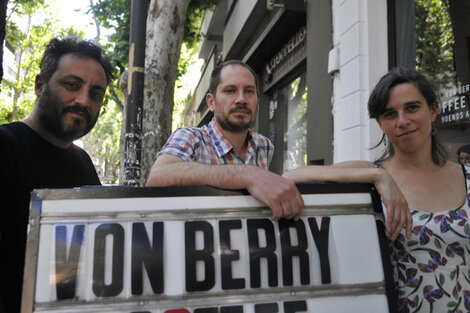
311,193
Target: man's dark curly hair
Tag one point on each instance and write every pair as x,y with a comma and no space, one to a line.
58,47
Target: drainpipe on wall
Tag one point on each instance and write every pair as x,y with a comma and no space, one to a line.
135,94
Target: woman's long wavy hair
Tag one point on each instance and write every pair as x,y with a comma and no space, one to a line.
378,101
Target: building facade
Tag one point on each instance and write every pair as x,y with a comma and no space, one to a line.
9,72
319,60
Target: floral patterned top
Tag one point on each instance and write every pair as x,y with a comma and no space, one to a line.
431,267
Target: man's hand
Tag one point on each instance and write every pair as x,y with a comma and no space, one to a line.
278,193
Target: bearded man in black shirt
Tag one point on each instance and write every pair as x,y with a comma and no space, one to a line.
38,152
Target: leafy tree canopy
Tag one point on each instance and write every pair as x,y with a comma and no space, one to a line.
115,14
27,34
434,41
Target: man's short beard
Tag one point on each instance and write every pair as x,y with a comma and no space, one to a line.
226,124
238,126
52,111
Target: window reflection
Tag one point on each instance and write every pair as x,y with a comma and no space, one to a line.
443,53
288,124
295,136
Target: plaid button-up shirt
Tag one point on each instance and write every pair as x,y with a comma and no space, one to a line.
209,145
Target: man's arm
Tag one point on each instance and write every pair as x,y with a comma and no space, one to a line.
278,193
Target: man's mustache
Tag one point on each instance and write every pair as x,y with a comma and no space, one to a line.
240,107
77,109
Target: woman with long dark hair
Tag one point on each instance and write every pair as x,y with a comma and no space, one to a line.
415,179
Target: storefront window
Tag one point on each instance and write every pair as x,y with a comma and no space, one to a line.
288,123
296,134
443,53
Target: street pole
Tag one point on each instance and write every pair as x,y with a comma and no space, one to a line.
135,94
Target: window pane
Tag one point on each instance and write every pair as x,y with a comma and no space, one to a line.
288,124
443,54
295,136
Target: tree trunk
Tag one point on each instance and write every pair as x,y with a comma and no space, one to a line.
165,30
97,24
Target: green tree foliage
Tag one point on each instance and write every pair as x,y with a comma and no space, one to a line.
28,42
434,42
102,143
192,35
196,11
115,14
29,28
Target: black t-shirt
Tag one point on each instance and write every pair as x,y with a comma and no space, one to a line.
27,162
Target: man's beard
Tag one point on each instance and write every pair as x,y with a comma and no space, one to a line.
51,114
237,126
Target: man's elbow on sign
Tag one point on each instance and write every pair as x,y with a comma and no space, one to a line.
166,172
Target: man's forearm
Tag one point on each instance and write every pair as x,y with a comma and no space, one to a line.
229,176
278,193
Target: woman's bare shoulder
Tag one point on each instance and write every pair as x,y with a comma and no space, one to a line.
453,168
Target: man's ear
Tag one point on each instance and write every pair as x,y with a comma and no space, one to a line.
39,85
210,102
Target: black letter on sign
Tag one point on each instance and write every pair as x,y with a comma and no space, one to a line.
66,267
117,268
289,251
232,309
205,255
228,255
267,308
256,252
295,306
206,310
149,256
321,241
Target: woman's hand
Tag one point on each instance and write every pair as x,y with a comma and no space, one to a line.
398,212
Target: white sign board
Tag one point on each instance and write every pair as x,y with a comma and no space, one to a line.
203,250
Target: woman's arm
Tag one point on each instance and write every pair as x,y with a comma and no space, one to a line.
398,213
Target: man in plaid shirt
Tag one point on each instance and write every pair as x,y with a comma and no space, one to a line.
225,153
